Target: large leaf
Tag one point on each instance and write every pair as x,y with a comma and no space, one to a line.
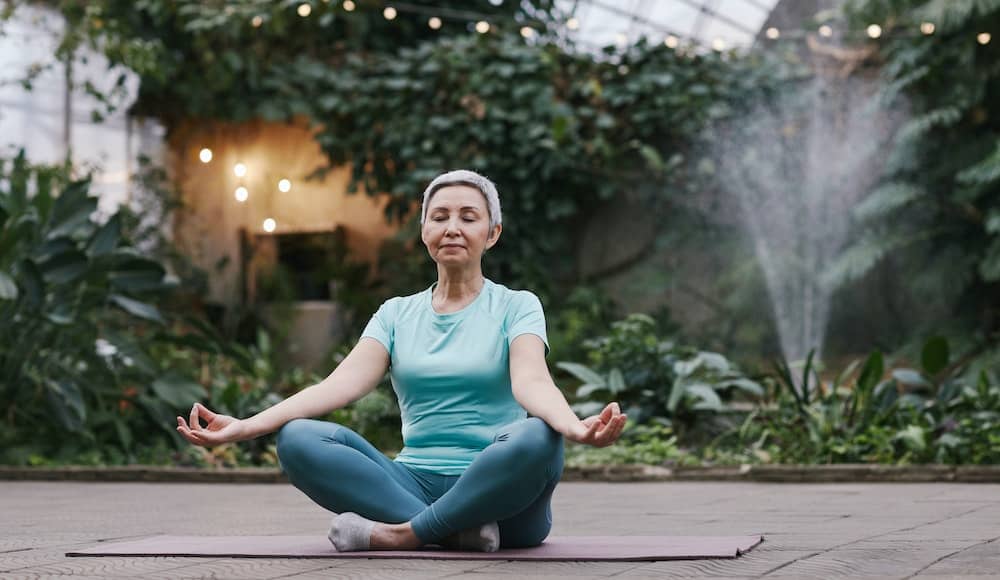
64,268
106,237
66,402
582,372
71,210
178,391
137,275
8,289
136,308
934,356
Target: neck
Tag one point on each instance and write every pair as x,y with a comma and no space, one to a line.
458,286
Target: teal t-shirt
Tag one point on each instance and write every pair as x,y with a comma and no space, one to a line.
451,372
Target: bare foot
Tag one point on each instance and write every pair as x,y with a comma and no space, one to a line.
394,537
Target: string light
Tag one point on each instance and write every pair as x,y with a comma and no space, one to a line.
205,155
269,225
527,31
434,22
240,170
241,194
825,31
304,10
257,21
348,5
927,28
874,30
572,24
284,186
671,41
983,38
389,13
773,33
621,38
719,44
482,27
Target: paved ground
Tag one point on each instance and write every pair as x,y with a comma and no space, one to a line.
824,531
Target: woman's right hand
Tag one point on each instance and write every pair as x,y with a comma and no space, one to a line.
220,429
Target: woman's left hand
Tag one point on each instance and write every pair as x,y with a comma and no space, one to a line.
599,430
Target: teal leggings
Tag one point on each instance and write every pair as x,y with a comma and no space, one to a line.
510,482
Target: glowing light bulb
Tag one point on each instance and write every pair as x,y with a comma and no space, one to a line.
874,31
983,38
241,194
482,27
671,41
269,225
205,155
434,22
572,24
304,10
389,13
621,38
240,170
527,31
825,31
257,21
284,186
927,28
348,5
773,33
719,44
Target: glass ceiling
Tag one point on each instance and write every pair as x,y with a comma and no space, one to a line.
712,23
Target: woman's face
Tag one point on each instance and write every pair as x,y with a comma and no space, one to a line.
456,230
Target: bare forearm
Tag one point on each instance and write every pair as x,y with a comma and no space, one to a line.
313,401
544,400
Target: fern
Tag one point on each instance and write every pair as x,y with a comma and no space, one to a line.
919,126
859,258
887,198
985,172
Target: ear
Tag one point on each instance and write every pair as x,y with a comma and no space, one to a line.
494,236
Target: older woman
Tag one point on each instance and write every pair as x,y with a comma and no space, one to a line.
466,358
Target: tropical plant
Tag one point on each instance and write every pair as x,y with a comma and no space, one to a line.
936,212
931,414
652,378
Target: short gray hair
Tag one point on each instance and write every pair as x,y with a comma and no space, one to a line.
471,179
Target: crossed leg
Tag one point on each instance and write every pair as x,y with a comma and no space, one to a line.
510,482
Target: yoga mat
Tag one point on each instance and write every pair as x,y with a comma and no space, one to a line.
589,548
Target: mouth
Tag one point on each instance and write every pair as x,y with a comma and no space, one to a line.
451,246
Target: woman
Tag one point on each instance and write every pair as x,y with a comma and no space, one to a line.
466,358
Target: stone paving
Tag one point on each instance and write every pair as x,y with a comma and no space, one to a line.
844,530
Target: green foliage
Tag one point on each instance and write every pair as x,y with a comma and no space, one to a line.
933,212
651,444
560,131
652,378
68,283
909,416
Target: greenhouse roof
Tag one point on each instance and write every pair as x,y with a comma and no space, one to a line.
719,24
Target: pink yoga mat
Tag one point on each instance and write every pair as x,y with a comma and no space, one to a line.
590,548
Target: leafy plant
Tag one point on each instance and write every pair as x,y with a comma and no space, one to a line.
654,379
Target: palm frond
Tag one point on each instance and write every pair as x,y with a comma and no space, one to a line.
887,198
918,126
985,172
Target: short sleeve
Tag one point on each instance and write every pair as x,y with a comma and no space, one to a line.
381,324
527,317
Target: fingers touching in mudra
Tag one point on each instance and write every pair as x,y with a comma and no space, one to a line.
600,430
220,428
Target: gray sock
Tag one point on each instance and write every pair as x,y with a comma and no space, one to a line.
350,532
485,538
